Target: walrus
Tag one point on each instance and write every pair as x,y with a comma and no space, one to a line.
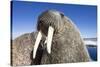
64,43
57,40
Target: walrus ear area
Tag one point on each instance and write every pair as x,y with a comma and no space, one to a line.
62,15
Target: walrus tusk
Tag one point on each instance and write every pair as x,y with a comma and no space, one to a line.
49,38
39,36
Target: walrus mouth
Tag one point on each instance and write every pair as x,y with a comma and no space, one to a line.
48,40
48,23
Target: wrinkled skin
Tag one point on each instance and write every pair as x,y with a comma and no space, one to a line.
22,50
67,45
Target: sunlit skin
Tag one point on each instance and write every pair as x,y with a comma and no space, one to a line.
67,46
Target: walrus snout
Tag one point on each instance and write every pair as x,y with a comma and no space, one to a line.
49,23
50,18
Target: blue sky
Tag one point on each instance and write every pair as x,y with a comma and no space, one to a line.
25,15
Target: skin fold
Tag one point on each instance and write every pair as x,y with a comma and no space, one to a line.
66,43
22,50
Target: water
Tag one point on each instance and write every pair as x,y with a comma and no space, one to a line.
92,52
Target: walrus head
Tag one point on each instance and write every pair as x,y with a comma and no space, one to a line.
49,23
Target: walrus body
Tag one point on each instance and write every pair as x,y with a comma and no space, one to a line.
67,44
22,50
67,47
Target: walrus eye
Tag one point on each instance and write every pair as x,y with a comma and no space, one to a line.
62,15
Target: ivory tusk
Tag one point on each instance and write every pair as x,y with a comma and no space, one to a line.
49,38
39,36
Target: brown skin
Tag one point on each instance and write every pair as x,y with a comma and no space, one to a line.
67,44
22,50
